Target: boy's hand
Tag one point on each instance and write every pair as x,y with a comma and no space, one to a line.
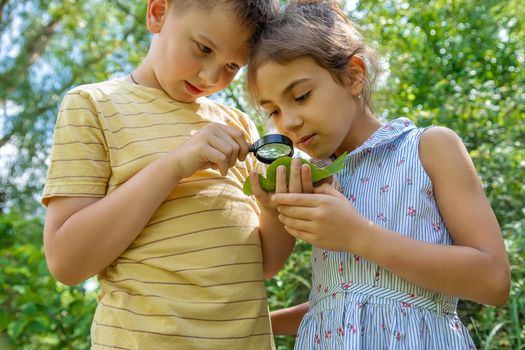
300,182
216,146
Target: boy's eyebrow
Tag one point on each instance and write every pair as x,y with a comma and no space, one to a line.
286,89
207,41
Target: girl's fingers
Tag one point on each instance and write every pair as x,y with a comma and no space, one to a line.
306,178
298,233
256,186
303,213
296,224
295,185
280,183
328,190
262,197
296,199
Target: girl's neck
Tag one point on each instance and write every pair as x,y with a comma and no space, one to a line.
362,128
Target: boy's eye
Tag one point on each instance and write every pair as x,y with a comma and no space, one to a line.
233,66
203,48
303,97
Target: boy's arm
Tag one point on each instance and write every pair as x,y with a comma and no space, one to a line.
286,321
83,235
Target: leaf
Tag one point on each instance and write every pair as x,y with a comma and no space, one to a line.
266,185
337,165
318,174
492,333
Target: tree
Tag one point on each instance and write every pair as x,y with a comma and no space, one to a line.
49,46
447,62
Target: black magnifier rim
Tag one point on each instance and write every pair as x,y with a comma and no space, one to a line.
268,139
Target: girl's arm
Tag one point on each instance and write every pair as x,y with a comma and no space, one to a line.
474,268
277,244
286,321
478,259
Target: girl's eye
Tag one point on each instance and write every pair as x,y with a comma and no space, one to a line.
273,114
303,97
203,48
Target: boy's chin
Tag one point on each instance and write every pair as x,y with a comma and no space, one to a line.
182,97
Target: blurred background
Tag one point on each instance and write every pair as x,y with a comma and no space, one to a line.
457,63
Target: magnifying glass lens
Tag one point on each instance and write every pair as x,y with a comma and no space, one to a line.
272,147
274,151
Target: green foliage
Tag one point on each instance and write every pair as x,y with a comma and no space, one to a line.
290,286
36,312
457,63
47,48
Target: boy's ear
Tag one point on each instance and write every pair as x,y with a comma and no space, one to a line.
356,74
157,10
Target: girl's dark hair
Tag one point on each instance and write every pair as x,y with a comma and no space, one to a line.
317,29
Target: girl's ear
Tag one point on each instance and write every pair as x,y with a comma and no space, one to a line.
356,74
155,15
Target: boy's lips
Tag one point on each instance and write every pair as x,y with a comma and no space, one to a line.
193,89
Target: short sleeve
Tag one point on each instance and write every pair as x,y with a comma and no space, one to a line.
79,162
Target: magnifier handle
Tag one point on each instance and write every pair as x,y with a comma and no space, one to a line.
251,149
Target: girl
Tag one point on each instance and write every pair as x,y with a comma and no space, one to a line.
408,232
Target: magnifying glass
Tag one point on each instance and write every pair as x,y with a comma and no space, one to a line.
271,147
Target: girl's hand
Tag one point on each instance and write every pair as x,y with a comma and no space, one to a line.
300,182
324,218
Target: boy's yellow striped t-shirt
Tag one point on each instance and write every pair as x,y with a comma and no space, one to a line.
193,278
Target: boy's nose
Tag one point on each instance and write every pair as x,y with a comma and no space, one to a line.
210,75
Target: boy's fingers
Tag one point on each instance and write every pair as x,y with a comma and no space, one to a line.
218,159
238,137
225,144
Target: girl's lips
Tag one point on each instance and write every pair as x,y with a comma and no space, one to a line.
193,90
305,141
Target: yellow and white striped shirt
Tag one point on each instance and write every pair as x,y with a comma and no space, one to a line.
193,277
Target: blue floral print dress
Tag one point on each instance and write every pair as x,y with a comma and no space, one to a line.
356,304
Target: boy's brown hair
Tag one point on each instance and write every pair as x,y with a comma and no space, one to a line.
252,14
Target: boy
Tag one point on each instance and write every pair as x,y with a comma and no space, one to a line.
145,190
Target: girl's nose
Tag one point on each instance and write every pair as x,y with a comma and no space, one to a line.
291,121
